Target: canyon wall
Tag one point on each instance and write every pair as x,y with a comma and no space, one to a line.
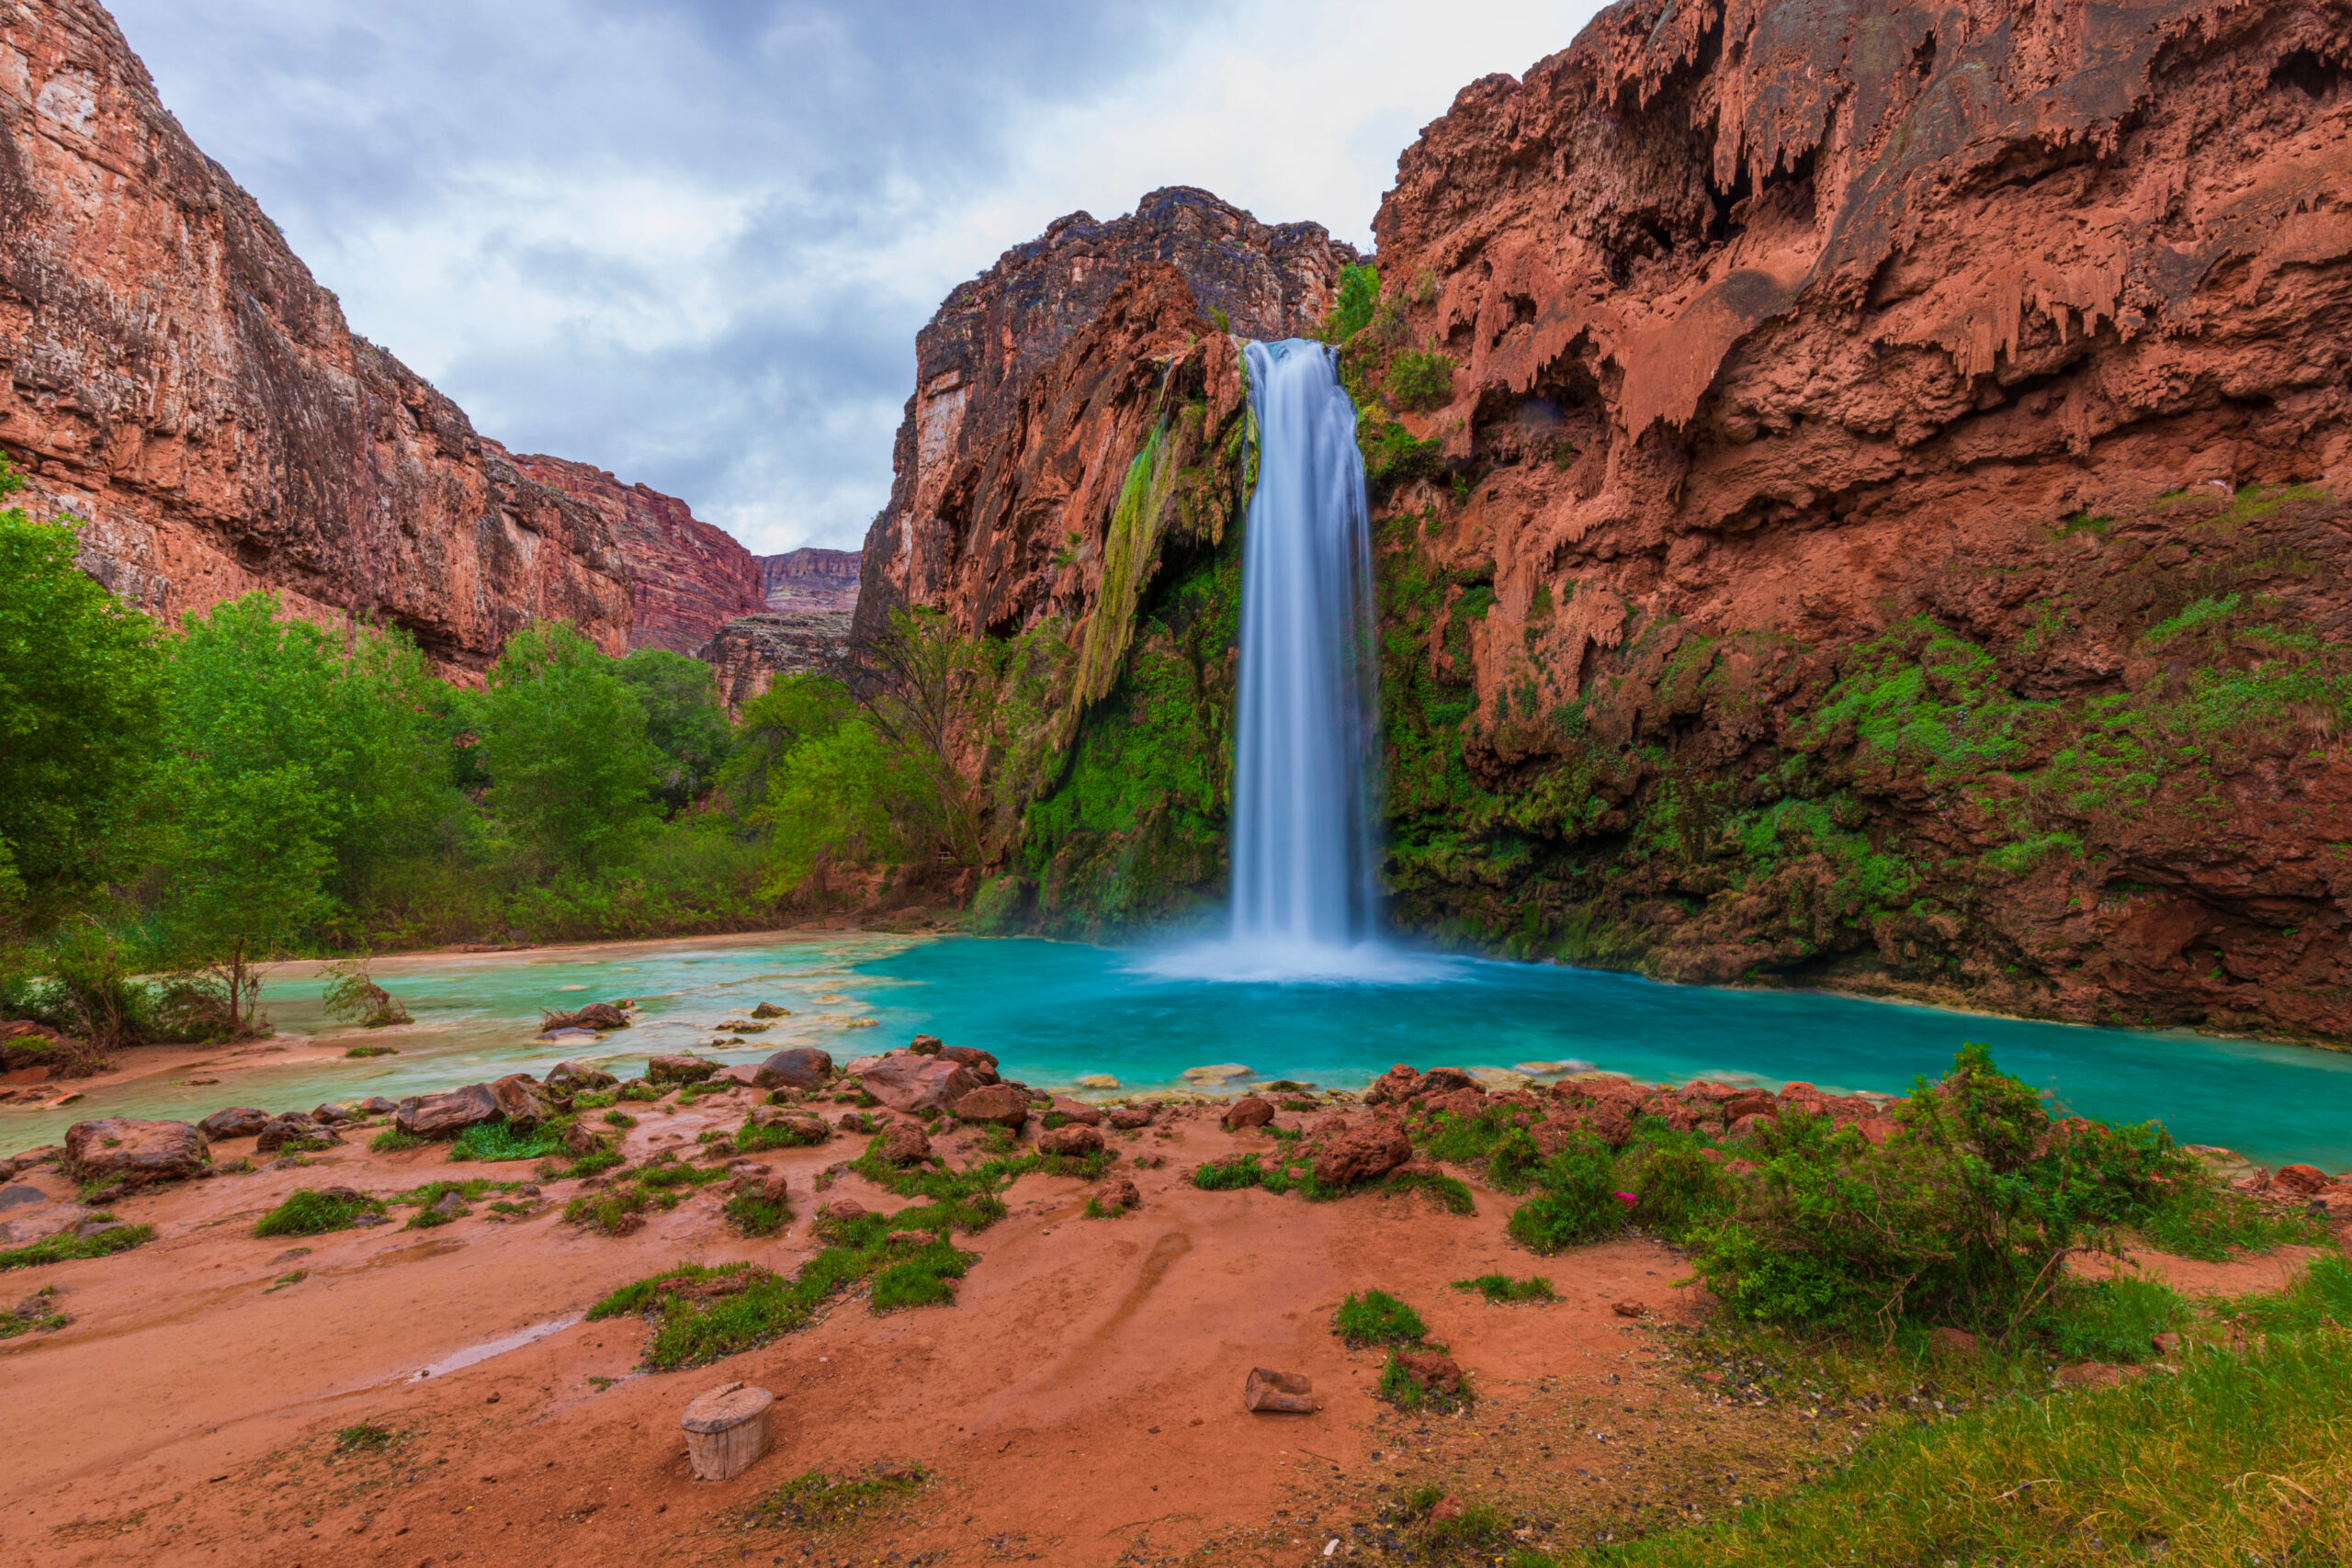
686,578
810,579
1863,504
1859,505
175,374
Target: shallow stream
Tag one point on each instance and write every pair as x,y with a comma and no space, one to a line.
1055,1011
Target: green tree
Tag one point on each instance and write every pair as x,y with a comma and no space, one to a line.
562,739
797,708
839,797
81,696
683,720
247,878
354,710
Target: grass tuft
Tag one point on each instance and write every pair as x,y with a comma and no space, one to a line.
1503,1288
306,1212
68,1249
1376,1317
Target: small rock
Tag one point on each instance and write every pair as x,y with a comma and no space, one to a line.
1128,1118
1219,1073
769,1009
580,1140
2305,1180
911,1238
1629,1309
1273,1393
450,1203
1435,1372
980,1064
800,1068
2098,1375
1117,1196
518,1101
1098,1081
904,1143
292,1128
924,1045
2167,1344
1086,1115
1249,1110
1448,1507
574,1078
743,1075
910,1083
328,1115
1074,1139
1371,1150
678,1069
998,1103
851,1122
236,1121
445,1115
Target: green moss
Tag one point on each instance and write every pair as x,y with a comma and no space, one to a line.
1420,380
68,1249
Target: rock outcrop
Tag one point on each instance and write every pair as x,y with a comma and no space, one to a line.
175,375
1034,392
810,579
687,578
1883,526
750,653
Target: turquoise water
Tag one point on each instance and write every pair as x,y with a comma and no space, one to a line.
1055,1011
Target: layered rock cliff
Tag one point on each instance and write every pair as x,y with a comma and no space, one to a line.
810,579
1870,503
175,374
1859,495
687,577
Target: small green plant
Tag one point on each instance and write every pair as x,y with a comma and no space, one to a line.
620,1119
1376,1317
1502,1287
1452,1194
499,1141
34,1314
361,1053
308,1213
591,1099
353,996
392,1141
1407,1389
754,1137
616,1211
814,1500
1420,380
67,1248
365,1438
1227,1176
2115,1320
283,1280
754,1216
928,1281
638,1090
1579,1201
588,1165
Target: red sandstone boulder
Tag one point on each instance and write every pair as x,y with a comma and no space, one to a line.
1555,1134
1117,1196
904,1143
1753,1122
998,1103
237,1122
1128,1118
1371,1150
1249,1110
446,1115
800,1068
1434,1372
518,1101
981,1064
578,1077
1074,1139
678,1069
2307,1180
1748,1102
1393,1086
119,1148
906,1082
1448,1081
293,1128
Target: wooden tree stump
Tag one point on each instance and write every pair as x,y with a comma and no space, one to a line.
727,1430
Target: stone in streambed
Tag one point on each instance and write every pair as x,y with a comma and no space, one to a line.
769,1009
909,1083
446,1115
983,1064
518,1101
576,1078
236,1121
293,1128
1000,1103
800,1068
1098,1081
678,1069
120,1148
1074,1139
1248,1111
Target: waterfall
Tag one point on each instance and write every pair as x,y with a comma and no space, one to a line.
1304,752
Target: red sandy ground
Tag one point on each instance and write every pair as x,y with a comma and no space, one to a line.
1080,1403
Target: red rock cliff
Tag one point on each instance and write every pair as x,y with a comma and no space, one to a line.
1885,520
810,579
1034,390
175,375
687,577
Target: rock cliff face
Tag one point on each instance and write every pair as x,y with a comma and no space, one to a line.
686,578
1876,517
1026,415
747,654
810,580
175,374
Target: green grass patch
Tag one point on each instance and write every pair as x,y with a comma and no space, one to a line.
814,1500
1376,1317
614,1212
1501,1288
591,1100
306,1212
70,1249
392,1141
1452,1193
37,1314
748,1215
2321,1297
361,1053
1228,1176
495,1140
1402,1388
2235,1459
754,1136
365,1438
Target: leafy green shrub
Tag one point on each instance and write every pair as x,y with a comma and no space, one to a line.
1452,1194
1676,1190
588,1165
1421,381
1499,1288
1353,302
1376,1317
1579,1201
638,1090
1393,458
67,1248
308,1213
392,1141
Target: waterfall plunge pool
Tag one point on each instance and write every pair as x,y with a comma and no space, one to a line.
1055,1011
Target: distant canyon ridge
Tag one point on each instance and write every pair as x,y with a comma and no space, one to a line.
175,375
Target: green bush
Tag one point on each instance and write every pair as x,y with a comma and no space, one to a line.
1578,1204
1376,1317
1421,381
67,1248
1676,1190
307,1212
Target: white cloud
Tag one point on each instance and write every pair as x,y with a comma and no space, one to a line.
692,242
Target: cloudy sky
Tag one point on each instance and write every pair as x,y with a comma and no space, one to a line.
691,240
